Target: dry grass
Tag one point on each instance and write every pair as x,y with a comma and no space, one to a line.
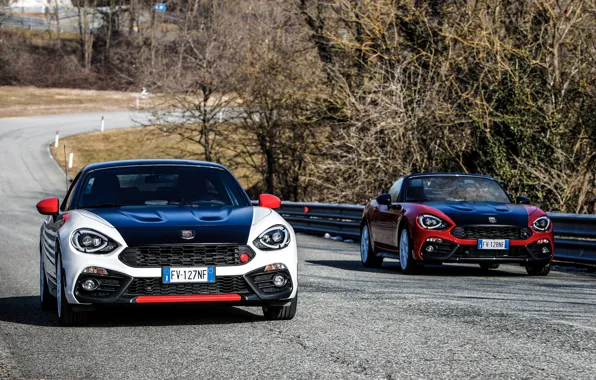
25,101
137,143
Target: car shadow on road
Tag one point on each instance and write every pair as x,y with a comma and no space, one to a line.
429,270
27,310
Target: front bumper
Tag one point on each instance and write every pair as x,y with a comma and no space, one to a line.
533,250
449,252
235,284
255,287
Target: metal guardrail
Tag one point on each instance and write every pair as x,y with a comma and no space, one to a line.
575,235
68,21
24,22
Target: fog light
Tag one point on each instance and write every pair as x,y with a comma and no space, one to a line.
545,250
435,240
430,248
276,266
96,270
279,280
244,258
90,285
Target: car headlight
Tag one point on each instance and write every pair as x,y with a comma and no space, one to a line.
541,224
276,237
431,222
89,241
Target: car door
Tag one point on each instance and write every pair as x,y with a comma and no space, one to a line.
49,235
388,218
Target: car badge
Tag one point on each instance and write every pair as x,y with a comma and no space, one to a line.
187,234
492,219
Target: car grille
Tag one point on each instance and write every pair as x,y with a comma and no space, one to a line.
184,255
473,251
496,232
154,287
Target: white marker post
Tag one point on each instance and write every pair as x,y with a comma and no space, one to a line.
220,117
56,140
137,102
70,158
102,123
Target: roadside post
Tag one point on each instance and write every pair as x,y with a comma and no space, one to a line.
70,159
102,123
56,140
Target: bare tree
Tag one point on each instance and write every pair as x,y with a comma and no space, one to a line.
86,13
199,89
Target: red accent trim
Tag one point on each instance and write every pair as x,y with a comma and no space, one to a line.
244,258
306,209
48,206
190,298
269,201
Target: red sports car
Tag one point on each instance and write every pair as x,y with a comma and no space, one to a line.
434,218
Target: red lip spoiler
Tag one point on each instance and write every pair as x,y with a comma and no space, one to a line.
189,298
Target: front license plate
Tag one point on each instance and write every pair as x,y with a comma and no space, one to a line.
493,244
191,274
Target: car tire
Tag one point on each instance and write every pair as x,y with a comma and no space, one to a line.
538,270
281,313
367,253
489,266
46,299
406,260
66,315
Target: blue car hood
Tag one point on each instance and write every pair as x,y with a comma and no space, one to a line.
148,225
477,213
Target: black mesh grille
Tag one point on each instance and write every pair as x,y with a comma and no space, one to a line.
473,251
154,287
489,232
184,255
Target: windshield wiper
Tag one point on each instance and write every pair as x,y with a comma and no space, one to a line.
104,205
419,200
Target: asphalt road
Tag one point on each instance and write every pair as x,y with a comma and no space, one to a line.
453,322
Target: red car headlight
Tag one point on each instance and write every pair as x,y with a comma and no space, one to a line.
431,222
541,224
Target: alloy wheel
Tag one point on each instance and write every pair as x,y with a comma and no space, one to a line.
364,244
404,249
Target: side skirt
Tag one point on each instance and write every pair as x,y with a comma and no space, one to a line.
388,255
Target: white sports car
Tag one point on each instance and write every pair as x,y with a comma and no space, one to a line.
160,231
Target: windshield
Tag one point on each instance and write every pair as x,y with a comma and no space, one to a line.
454,188
160,185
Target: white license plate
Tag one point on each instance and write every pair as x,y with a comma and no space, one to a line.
190,274
493,244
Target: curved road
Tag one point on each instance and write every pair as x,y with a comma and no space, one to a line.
352,323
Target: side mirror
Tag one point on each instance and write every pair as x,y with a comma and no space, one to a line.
48,206
269,201
521,200
384,199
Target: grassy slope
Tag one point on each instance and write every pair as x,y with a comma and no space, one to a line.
136,143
